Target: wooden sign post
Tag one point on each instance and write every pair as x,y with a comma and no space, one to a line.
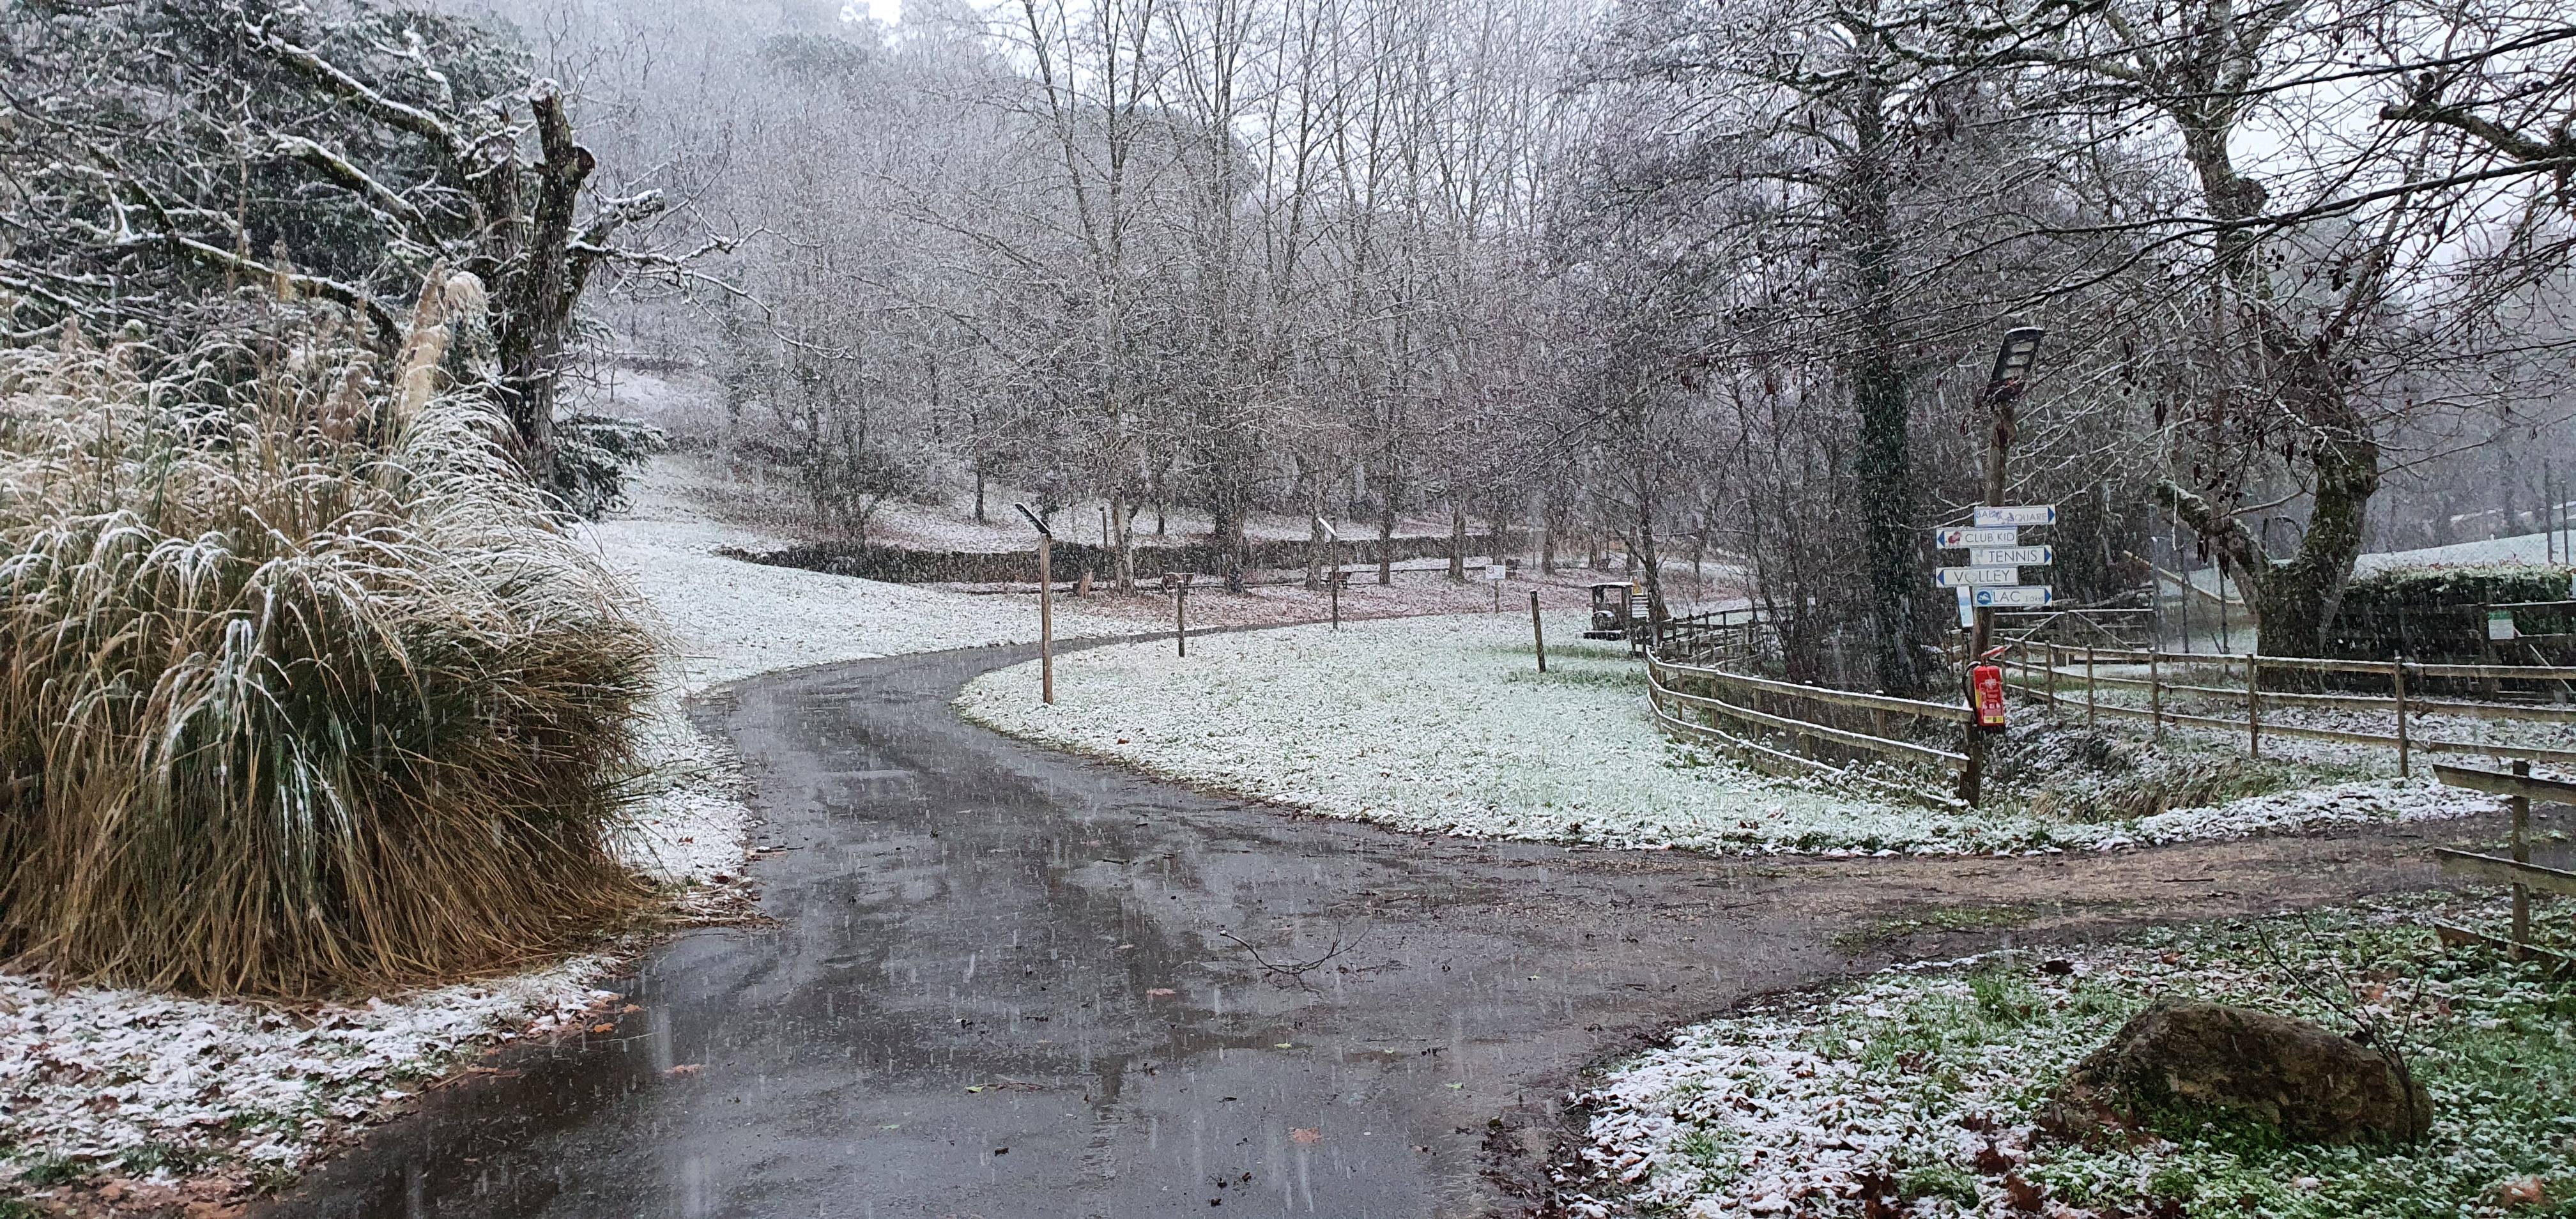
1537,635
1046,606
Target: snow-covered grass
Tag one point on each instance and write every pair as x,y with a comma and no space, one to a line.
155,1089
1926,1081
134,1091
1443,724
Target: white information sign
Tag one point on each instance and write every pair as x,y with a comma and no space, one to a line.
1970,577
1958,539
2011,556
1967,610
2017,514
2027,596
1494,571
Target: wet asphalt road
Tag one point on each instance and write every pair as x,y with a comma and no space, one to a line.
1007,982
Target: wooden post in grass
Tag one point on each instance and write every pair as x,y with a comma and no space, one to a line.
1046,620
2253,711
2155,693
2521,806
2088,687
2052,679
1537,636
1046,604
1338,578
2397,679
1181,617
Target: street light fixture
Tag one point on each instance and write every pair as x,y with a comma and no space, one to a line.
2013,362
1046,605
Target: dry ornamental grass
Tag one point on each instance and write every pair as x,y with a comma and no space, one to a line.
304,690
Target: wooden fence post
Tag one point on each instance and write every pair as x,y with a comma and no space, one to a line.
2155,693
1046,621
2253,710
2052,679
2088,687
2397,678
2521,806
1537,635
1181,618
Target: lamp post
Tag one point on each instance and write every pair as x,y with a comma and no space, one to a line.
2002,395
1046,606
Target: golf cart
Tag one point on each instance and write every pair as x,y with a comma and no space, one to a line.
1618,611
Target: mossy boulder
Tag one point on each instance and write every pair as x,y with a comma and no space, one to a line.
2179,1064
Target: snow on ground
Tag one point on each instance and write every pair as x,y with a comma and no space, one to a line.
1926,1080
2531,548
1443,724
153,1089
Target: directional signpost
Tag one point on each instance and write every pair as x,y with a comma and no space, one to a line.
1957,539
1971,577
2010,516
1992,577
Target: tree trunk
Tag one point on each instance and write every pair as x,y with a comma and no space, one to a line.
1316,543
1122,524
1885,460
1386,537
1457,540
2294,602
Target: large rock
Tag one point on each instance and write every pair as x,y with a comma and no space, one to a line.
2180,1060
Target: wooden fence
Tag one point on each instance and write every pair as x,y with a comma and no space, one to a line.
1755,706
2519,790
2038,670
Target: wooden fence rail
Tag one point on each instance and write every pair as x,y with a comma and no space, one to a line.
2038,679
2519,790
1671,704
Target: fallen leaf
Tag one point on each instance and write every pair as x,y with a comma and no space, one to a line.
2021,1194
1283,1045
687,1068
2527,1191
629,1010
975,1089
1305,1136
1158,992
603,1028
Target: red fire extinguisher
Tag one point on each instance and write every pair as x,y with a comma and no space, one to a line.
1987,681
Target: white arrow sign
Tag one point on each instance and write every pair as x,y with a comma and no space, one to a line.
1957,539
2009,556
1958,577
2027,596
2021,514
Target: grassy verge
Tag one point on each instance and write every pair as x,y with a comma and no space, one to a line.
1932,1077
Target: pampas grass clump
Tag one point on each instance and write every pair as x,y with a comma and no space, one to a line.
304,691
